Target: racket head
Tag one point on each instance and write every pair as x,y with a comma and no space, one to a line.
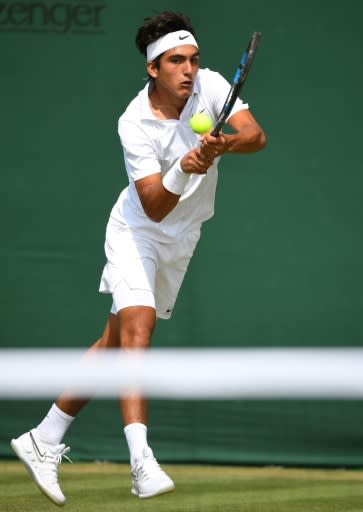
238,81
246,60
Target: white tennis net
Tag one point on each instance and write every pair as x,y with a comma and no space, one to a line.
183,373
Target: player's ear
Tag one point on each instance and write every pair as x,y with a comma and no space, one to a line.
152,69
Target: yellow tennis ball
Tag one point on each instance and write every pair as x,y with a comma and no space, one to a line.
200,123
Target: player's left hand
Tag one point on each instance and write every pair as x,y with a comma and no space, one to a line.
212,147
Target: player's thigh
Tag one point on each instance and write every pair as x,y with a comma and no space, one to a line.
137,324
111,335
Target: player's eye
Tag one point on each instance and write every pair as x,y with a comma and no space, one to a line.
176,59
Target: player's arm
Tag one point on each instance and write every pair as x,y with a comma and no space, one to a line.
157,201
248,136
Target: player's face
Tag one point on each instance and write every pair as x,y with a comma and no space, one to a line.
177,71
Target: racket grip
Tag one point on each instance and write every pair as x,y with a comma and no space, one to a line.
216,129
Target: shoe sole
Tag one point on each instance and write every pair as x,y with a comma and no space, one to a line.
28,467
165,490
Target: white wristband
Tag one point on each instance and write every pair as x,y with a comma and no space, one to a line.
175,179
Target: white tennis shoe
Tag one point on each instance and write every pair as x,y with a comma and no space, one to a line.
42,461
148,479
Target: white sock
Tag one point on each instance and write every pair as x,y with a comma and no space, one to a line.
136,437
52,429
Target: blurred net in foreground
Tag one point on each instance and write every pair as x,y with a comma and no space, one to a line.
183,373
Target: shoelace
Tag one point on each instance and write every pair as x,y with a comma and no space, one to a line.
53,458
147,465
57,454
62,453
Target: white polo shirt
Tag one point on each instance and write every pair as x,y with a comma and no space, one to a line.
152,145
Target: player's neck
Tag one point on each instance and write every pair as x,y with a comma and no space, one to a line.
164,105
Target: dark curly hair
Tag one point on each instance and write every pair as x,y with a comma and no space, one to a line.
160,25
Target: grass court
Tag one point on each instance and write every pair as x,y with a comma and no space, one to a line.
105,487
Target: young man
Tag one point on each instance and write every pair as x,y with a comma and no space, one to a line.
153,229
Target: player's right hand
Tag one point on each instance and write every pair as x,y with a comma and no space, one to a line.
196,161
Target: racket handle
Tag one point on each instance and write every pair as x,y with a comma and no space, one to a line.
216,129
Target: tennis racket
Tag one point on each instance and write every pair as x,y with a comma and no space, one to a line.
238,81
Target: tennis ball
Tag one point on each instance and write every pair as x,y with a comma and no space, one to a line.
200,123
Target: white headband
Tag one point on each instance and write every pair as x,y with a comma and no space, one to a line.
171,40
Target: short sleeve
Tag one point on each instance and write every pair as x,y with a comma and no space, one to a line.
139,152
217,91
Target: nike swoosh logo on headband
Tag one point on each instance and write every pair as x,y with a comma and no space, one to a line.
184,37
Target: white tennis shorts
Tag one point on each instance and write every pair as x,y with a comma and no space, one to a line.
143,272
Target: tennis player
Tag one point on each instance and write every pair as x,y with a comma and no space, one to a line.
153,229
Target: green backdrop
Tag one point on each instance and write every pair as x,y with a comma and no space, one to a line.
279,265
